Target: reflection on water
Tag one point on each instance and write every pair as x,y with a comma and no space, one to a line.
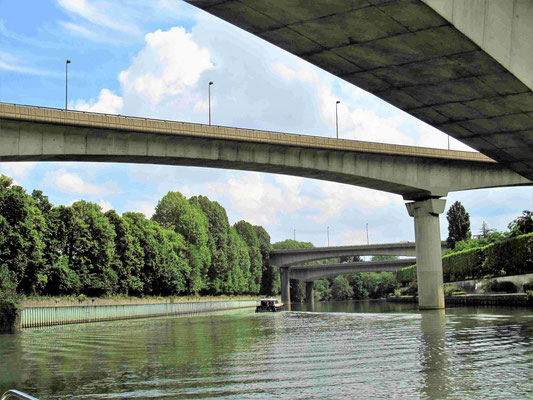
340,350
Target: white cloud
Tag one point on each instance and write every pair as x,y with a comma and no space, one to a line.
145,207
106,205
170,64
432,137
73,183
350,236
337,197
18,169
259,202
97,12
107,103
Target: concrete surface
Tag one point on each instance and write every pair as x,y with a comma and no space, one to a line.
462,66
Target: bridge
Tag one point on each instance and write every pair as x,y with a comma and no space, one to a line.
310,273
463,67
289,257
289,260
420,175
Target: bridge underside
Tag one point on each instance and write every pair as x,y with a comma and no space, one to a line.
314,272
408,55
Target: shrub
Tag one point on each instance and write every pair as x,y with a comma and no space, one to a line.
9,311
452,290
500,287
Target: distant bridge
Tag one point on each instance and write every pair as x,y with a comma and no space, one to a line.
290,257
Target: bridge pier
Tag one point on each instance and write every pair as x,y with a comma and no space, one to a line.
428,252
309,292
285,273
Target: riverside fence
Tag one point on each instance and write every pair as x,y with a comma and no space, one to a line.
31,317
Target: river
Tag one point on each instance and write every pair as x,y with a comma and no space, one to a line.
351,350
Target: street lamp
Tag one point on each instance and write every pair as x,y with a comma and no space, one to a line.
328,236
66,82
209,88
337,118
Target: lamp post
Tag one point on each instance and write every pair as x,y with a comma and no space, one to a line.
337,118
328,236
66,82
209,89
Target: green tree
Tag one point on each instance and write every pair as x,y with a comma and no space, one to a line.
384,258
247,232
358,286
174,212
522,224
128,256
217,242
239,259
22,228
90,248
341,289
269,279
458,224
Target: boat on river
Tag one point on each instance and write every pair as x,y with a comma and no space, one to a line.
269,305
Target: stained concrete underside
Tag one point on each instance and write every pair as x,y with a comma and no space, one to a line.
408,55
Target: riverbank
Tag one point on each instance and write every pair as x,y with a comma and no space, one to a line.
506,300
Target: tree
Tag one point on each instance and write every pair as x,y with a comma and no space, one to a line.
247,232
174,212
341,289
458,224
268,274
384,258
522,224
217,242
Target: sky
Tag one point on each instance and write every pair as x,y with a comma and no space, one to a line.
155,59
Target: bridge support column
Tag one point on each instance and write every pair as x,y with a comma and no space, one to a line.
309,292
286,286
428,252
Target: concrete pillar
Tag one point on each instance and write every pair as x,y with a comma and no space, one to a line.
309,292
428,252
285,286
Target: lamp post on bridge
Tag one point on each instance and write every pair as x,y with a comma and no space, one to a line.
66,83
337,118
209,95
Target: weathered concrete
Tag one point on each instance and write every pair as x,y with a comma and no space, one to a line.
462,66
35,134
428,255
314,272
289,257
285,286
309,292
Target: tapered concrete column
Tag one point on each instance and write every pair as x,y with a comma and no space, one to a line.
285,285
428,251
309,292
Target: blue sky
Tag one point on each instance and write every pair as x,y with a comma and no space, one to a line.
155,59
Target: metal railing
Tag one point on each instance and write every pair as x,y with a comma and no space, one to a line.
16,395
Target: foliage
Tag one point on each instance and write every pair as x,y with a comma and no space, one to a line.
522,224
512,256
450,290
384,258
495,286
458,224
187,248
341,289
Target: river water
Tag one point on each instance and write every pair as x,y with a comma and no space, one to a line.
363,350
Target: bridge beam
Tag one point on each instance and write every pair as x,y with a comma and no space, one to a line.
309,292
286,286
428,252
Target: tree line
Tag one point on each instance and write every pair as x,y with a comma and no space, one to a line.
188,247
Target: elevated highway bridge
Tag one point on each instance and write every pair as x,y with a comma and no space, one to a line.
420,175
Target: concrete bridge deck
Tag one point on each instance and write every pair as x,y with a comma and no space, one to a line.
462,66
289,257
41,134
313,272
